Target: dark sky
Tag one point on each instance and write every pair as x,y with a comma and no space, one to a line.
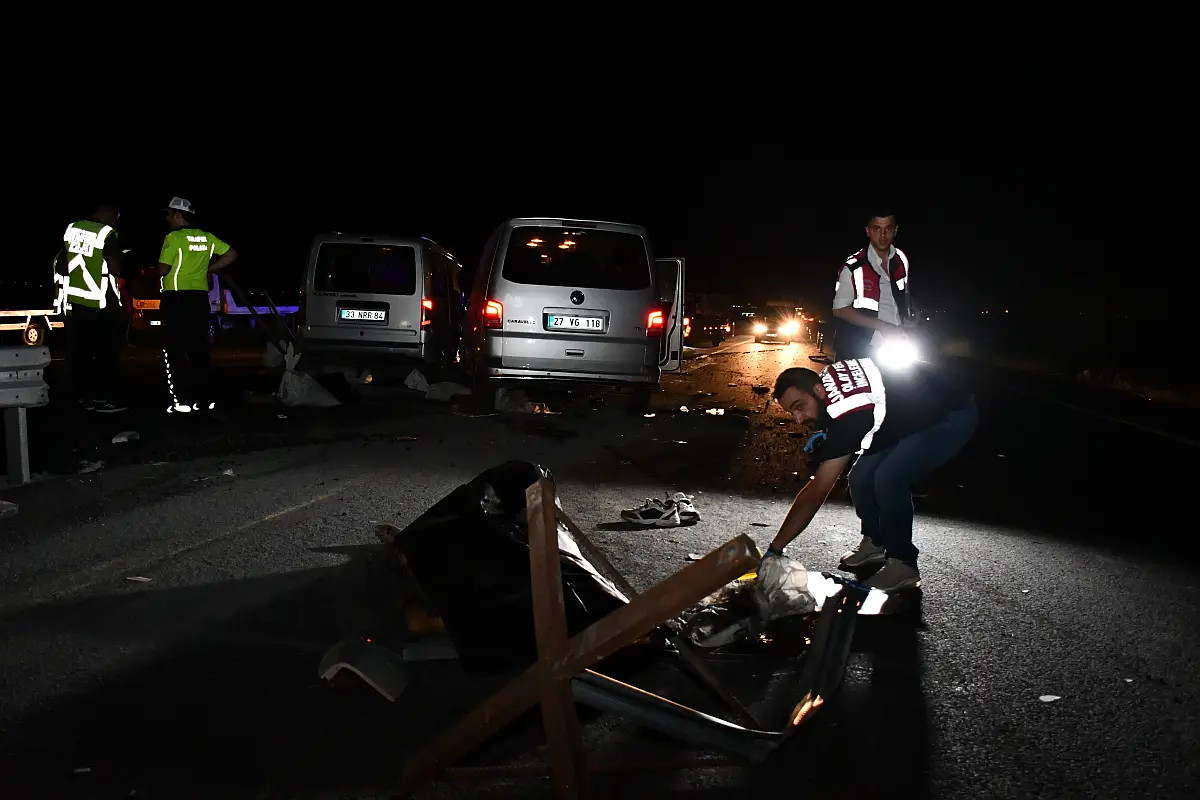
995,157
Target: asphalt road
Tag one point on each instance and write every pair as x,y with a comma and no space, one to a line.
1055,556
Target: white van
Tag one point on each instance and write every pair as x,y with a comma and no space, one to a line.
382,297
564,301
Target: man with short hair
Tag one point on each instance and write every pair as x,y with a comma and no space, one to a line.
88,266
871,298
189,256
902,423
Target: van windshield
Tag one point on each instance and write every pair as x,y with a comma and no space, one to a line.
366,269
587,259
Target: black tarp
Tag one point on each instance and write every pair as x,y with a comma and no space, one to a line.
470,555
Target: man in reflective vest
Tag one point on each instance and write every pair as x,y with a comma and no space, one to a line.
189,256
902,424
871,298
87,269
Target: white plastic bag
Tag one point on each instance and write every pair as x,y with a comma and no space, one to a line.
301,389
783,584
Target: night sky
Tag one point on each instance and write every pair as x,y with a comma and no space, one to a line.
1011,187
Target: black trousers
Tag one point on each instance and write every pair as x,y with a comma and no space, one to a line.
188,360
93,350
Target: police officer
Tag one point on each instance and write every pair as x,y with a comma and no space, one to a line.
189,256
87,269
871,299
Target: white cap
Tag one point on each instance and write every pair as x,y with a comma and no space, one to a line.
179,204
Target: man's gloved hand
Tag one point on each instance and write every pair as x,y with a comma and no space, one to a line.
768,554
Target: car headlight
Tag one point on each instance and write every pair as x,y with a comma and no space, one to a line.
760,328
791,328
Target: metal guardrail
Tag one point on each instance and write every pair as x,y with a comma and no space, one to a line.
21,387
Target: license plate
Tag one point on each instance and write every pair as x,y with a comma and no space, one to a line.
558,322
366,314
156,322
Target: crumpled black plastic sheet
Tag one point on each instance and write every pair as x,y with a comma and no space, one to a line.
470,555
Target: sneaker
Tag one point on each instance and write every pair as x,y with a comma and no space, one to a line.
864,555
683,502
654,513
894,577
105,407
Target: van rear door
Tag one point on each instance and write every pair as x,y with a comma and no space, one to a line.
578,300
366,292
670,273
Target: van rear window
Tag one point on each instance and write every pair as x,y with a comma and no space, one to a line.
588,259
366,269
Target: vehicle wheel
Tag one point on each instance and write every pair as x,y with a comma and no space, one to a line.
716,339
758,341
34,334
641,399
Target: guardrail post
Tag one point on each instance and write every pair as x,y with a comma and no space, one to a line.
21,388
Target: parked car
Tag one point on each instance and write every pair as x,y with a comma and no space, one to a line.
704,330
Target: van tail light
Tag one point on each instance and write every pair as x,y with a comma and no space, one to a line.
656,323
426,308
493,314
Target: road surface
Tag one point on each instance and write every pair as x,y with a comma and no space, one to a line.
1053,554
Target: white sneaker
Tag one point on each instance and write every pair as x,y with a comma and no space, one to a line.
865,554
683,502
894,577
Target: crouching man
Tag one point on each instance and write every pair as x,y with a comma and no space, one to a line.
902,424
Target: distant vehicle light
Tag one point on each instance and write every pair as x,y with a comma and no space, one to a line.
790,328
760,328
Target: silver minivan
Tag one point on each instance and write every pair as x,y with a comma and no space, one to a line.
382,297
562,300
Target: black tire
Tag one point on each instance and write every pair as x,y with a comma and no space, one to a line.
34,334
641,399
717,339
758,341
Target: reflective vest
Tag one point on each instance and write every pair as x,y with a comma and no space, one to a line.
865,281
188,252
87,282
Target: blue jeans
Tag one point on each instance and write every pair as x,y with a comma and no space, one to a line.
881,483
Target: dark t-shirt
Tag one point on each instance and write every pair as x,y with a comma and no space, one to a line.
872,408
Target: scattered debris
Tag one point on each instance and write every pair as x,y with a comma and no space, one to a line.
301,389
8,509
357,378
759,525
647,416
684,409
715,412
125,436
694,557
1129,680
516,401
732,385
674,510
999,455
416,381
822,541
446,390
139,579
228,472
81,770
1024,591
89,466
760,389
783,583
1049,698
408,438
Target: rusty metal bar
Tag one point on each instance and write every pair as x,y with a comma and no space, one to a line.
563,737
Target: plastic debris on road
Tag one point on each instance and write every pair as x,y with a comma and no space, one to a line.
1049,698
125,436
8,509
783,583
139,579
89,466
301,389
416,381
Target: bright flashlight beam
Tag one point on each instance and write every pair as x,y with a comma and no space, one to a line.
897,353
